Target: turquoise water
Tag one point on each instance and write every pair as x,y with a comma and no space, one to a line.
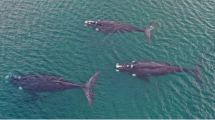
50,37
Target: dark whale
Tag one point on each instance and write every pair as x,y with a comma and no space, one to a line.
145,69
34,83
107,26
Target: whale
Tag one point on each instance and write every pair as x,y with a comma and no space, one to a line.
36,83
107,27
144,69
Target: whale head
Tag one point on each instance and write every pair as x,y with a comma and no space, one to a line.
124,67
13,78
90,23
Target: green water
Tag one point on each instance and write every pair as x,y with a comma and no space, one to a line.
50,37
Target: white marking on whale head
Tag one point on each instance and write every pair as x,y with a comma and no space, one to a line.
132,66
117,70
20,88
16,76
7,77
118,66
134,75
151,27
133,61
89,22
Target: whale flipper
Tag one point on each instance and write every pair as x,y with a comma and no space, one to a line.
88,86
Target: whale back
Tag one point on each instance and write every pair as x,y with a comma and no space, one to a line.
39,83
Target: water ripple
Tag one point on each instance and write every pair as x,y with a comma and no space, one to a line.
49,36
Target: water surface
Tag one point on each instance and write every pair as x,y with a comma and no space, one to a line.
50,37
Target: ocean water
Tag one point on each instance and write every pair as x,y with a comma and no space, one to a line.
48,36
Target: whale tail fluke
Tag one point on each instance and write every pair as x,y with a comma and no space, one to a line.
147,30
195,72
87,88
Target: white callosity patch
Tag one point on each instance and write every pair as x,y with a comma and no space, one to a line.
134,75
118,66
85,23
17,76
20,88
7,76
89,21
133,61
151,28
132,66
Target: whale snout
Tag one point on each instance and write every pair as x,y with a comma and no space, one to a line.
120,67
85,22
117,67
7,77
12,77
89,22
124,67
